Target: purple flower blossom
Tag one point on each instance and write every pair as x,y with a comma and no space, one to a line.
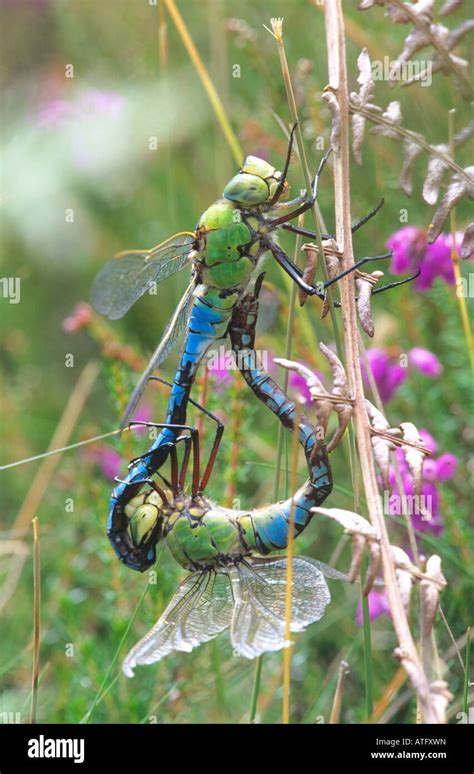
425,361
378,605
446,466
425,508
388,375
426,516
297,384
429,441
411,251
221,376
89,104
108,460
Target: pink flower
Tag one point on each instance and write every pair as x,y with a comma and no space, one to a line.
388,375
297,384
378,605
446,466
80,318
143,414
426,516
108,460
88,104
221,376
411,251
429,441
425,361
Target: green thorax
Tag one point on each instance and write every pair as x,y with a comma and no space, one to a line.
200,534
229,253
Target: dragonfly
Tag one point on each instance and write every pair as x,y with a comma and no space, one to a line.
233,583
225,253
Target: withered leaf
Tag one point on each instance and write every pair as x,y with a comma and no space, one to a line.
467,246
411,151
458,188
434,176
414,457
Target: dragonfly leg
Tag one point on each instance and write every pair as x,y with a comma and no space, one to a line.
139,475
360,262
271,524
292,269
217,438
281,184
310,201
312,234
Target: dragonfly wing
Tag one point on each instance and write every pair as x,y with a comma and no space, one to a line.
199,610
258,623
174,333
125,278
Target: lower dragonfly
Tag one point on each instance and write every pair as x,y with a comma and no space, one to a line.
225,251
232,584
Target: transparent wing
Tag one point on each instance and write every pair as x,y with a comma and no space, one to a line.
174,333
199,610
258,622
127,276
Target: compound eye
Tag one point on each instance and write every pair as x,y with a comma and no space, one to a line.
247,189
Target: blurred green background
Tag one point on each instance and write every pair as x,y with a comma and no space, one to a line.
82,180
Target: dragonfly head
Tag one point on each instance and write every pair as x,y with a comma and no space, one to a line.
255,183
145,521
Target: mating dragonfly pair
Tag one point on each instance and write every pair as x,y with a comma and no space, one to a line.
231,584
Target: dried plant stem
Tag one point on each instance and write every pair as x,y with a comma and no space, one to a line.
289,570
277,33
286,373
36,620
407,134
62,449
64,429
465,702
338,85
206,81
337,702
435,42
391,690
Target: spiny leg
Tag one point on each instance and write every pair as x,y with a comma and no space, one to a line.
360,262
309,202
291,268
281,184
388,286
195,444
312,234
396,284
217,438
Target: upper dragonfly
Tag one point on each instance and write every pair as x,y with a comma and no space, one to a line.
225,252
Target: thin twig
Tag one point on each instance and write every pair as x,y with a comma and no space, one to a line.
36,621
338,84
214,98
338,694
289,569
436,43
413,137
